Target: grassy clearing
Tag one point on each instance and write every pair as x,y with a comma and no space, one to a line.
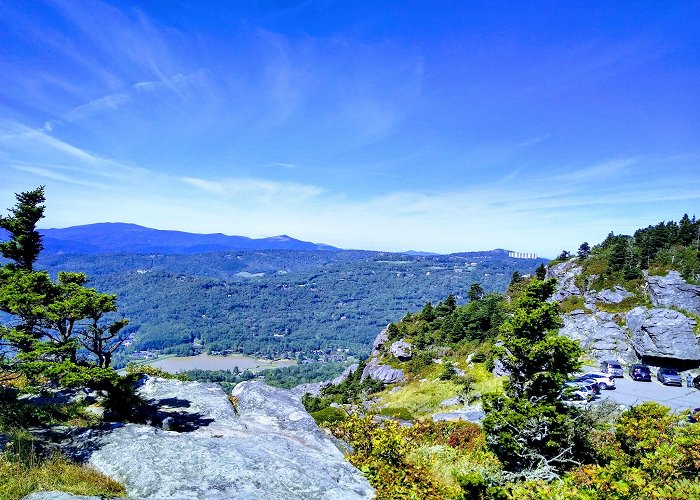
420,398
627,304
572,303
18,479
22,472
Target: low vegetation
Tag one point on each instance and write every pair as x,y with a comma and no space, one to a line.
531,444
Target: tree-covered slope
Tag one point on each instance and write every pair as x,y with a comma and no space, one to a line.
276,303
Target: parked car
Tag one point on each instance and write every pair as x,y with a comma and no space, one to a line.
696,382
603,380
640,372
613,368
571,391
669,376
591,387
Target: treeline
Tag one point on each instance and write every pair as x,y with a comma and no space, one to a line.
656,249
447,323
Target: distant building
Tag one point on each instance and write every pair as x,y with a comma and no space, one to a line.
522,255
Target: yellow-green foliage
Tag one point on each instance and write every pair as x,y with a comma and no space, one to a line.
380,451
18,480
451,467
625,305
419,398
485,382
571,303
22,472
134,369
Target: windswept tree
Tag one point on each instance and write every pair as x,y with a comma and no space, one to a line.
584,249
49,320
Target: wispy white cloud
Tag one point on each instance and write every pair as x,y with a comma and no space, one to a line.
598,172
101,105
539,213
534,140
261,189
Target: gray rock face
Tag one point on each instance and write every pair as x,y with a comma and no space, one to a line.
663,333
614,296
672,290
379,342
401,350
383,373
599,335
346,373
498,369
313,388
565,273
269,449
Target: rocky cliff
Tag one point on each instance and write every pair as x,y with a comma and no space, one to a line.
663,334
259,444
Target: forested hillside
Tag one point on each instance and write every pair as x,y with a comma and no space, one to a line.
280,303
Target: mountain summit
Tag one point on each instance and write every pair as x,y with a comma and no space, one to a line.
118,237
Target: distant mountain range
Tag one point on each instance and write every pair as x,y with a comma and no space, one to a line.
118,237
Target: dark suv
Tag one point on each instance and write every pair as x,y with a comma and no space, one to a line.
640,372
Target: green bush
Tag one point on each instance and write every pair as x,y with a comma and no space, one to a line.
329,416
397,412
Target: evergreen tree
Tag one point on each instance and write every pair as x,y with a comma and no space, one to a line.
584,250
516,278
528,427
24,244
48,318
476,291
541,272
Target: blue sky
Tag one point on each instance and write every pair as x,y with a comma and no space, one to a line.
437,126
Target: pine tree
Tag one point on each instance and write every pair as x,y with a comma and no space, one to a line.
528,427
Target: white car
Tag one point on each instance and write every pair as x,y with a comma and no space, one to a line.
603,380
574,392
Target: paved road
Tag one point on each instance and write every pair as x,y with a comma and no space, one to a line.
629,392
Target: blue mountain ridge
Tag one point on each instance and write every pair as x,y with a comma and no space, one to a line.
119,237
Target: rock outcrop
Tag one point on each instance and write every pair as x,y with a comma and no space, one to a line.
384,373
379,342
377,370
672,291
565,273
401,350
599,335
612,296
663,333
267,447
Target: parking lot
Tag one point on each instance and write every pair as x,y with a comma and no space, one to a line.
629,392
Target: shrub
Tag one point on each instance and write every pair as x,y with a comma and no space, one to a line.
152,371
399,412
329,416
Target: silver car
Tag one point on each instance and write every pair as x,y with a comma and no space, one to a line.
613,368
669,376
603,380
